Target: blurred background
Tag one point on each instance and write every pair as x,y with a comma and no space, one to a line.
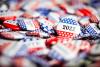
41,8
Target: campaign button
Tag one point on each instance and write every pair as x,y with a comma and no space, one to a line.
11,24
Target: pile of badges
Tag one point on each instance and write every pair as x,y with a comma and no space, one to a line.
49,33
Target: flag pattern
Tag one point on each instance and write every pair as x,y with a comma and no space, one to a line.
69,21
46,26
28,24
65,34
91,30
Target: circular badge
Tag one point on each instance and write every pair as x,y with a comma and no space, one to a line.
68,27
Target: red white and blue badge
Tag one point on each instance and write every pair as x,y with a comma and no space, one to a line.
65,52
68,27
70,50
37,46
12,35
46,25
28,24
11,24
83,12
92,29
